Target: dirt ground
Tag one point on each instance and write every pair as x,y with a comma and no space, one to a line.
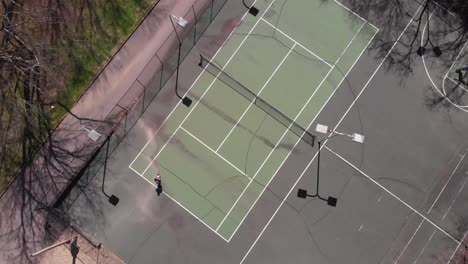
88,253
59,231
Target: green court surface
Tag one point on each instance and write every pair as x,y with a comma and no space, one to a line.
217,157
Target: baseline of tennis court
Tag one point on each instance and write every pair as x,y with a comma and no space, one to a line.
217,156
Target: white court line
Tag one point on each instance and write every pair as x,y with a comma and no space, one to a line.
435,201
217,154
458,83
422,251
446,10
252,102
281,138
456,197
209,87
392,194
273,176
354,13
456,249
308,165
299,139
409,242
442,90
196,80
445,185
318,113
299,44
181,205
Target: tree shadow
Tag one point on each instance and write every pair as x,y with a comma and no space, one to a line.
393,16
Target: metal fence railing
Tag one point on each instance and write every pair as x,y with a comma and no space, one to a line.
140,95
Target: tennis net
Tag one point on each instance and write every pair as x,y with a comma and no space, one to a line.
230,81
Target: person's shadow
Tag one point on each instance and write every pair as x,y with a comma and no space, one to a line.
159,189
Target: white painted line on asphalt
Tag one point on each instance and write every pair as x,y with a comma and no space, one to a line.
297,43
209,87
445,185
409,241
392,194
422,250
180,204
354,13
196,80
308,165
451,204
216,153
456,249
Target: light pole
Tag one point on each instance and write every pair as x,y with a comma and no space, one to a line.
252,10
112,199
331,201
422,49
92,134
182,23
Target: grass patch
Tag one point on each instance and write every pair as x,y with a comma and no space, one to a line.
93,36
85,59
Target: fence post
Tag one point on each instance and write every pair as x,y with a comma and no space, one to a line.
125,126
194,26
144,96
162,73
211,10
142,102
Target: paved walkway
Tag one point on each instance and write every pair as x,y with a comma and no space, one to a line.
21,225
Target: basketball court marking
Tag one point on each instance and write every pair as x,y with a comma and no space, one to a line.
442,91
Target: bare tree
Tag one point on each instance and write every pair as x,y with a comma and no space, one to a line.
442,40
34,35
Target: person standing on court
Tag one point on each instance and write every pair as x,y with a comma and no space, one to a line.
460,74
159,188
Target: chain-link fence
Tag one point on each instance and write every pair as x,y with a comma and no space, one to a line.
140,95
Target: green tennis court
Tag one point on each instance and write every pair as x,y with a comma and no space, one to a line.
217,156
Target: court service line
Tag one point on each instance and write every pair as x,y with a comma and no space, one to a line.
177,202
287,156
392,194
346,113
365,20
217,154
209,87
193,84
446,183
299,44
252,102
